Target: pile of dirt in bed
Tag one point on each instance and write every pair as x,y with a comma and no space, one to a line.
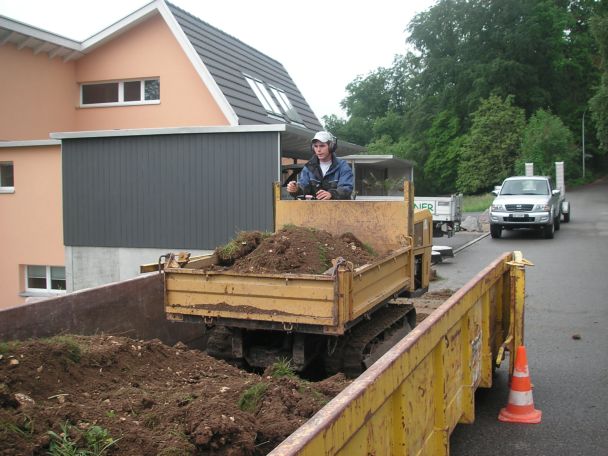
292,249
144,398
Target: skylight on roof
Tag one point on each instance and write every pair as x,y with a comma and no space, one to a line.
263,93
288,108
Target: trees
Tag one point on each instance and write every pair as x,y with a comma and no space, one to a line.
546,140
490,149
441,168
539,54
599,102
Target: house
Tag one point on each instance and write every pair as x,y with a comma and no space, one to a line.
159,133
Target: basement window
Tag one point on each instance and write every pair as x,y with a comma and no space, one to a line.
49,279
7,180
120,93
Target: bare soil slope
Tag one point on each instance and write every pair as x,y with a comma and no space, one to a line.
156,399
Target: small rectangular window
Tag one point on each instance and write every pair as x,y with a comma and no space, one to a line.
36,277
152,89
132,91
45,278
100,93
7,181
57,278
145,91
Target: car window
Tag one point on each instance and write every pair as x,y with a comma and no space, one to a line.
525,187
511,188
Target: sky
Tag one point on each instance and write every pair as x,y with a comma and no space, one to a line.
323,44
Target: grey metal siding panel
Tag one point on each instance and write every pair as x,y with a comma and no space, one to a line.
191,191
227,58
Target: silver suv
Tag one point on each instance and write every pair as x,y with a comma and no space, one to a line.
526,202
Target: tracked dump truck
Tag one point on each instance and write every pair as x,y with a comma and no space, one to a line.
347,319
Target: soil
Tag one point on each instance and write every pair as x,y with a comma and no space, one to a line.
155,399
162,400
292,249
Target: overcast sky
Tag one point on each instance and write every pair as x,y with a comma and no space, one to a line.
323,44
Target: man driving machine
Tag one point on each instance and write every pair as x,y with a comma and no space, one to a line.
325,176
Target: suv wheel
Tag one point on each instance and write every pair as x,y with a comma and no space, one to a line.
556,221
548,231
495,231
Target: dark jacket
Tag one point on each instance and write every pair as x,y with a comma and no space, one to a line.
338,180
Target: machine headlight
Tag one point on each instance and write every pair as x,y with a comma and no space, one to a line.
497,207
544,207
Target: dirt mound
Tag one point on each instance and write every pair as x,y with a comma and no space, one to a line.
293,249
151,398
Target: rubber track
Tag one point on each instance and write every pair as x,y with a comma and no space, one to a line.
349,353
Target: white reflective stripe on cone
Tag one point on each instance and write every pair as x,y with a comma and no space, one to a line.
521,373
520,397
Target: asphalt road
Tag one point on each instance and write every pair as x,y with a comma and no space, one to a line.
566,295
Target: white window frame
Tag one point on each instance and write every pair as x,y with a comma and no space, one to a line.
42,291
288,108
6,188
121,91
261,92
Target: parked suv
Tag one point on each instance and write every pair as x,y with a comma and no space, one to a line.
526,202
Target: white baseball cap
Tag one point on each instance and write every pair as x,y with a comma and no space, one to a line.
323,136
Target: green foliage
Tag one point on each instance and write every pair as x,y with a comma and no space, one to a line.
599,103
490,149
323,258
24,429
68,344
373,185
8,347
477,203
442,165
251,397
546,140
282,368
541,53
94,441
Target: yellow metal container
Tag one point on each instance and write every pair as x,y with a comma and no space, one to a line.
304,302
412,398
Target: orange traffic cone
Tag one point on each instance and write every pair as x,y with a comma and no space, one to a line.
520,408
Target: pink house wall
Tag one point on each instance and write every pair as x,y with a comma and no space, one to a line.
41,95
31,230
37,93
149,50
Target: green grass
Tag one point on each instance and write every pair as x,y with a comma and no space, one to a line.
369,249
25,430
70,344
72,347
282,368
229,249
95,441
251,397
477,203
7,347
326,262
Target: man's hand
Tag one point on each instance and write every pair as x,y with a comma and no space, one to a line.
292,187
323,195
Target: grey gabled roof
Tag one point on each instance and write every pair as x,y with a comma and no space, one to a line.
228,59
